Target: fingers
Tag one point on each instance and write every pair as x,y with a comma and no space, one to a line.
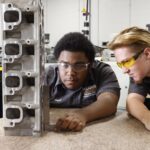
79,127
73,124
69,123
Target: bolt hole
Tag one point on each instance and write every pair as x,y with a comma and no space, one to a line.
9,27
11,123
9,5
28,74
10,59
29,106
11,91
28,42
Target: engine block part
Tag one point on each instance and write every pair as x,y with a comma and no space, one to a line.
25,98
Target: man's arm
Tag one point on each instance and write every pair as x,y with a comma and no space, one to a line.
136,107
105,105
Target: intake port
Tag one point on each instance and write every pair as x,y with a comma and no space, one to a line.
28,49
30,112
11,16
12,49
12,81
12,113
29,81
28,17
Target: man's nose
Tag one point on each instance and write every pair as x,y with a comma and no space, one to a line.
71,70
125,69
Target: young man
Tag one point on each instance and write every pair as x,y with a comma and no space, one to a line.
132,51
80,82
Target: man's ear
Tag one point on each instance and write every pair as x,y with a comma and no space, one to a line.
147,52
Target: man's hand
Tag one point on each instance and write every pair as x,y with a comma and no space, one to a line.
105,105
71,122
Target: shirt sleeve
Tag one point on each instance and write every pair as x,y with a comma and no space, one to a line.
106,80
137,88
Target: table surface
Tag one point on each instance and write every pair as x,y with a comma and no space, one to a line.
119,132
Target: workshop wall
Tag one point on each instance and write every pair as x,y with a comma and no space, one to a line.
107,17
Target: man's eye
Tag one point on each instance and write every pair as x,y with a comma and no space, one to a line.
64,65
78,65
127,62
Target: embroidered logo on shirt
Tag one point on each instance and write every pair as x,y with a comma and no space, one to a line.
89,91
58,100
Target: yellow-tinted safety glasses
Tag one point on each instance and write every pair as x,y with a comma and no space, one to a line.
129,63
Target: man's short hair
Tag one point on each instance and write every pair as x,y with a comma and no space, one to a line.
75,42
133,36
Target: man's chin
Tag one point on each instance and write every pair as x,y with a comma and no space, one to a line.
71,87
137,81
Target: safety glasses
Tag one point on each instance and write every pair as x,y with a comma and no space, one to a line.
78,67
129,63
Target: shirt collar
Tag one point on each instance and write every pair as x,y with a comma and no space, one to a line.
58,81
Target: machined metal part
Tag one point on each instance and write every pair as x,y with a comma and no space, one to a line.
25,98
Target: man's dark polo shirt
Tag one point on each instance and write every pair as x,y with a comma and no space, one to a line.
101,79
142,89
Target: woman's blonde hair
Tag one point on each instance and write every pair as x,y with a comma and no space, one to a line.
133,36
